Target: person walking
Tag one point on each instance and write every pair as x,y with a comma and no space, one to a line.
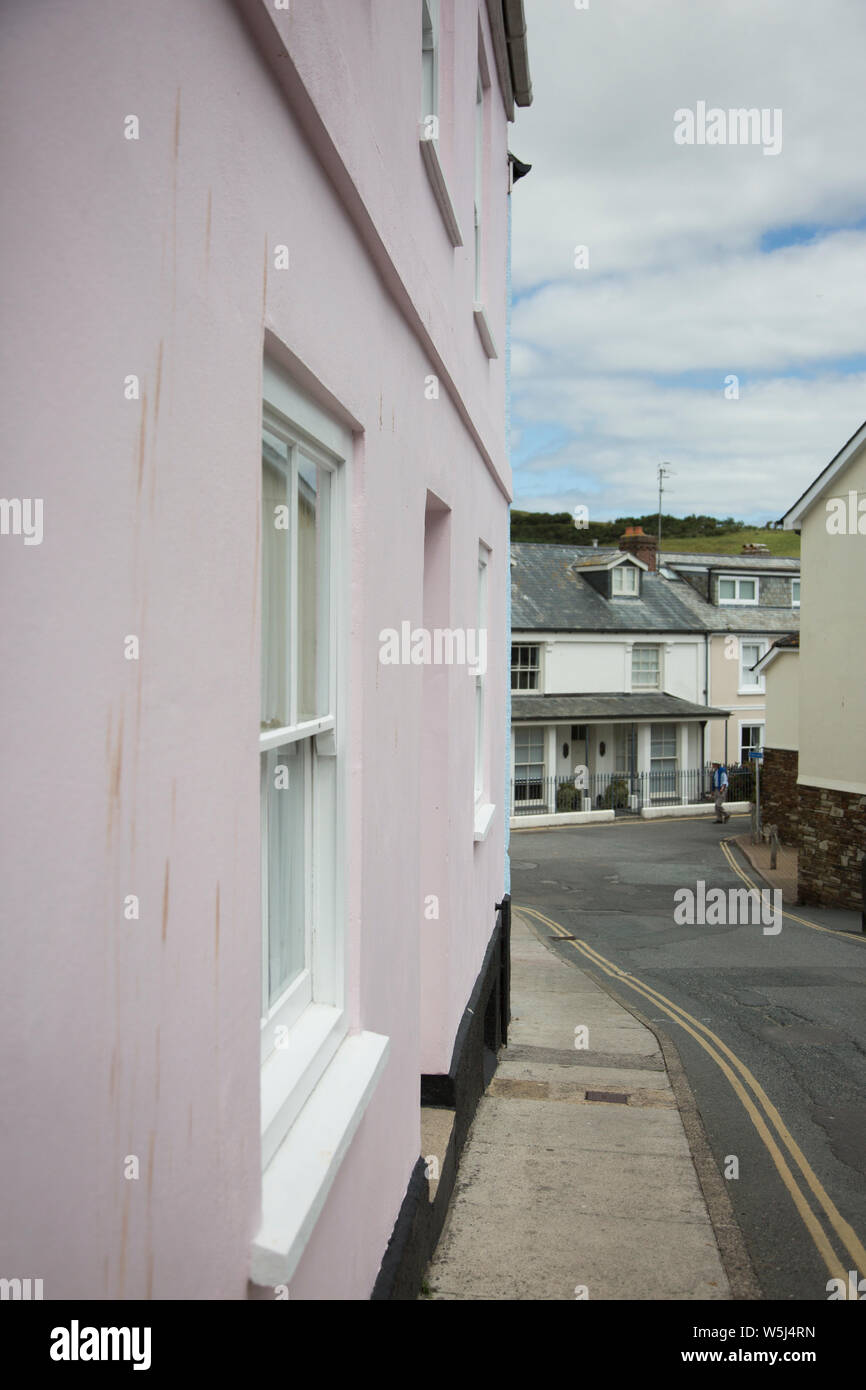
720,792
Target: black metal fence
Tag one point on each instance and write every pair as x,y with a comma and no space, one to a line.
625,793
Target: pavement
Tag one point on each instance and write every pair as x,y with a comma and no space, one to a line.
784,876
577,1179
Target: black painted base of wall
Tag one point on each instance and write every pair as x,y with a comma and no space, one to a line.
483,1030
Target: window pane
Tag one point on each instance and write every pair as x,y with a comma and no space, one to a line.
276,541
428,94
528,746
645,666
313,568
663,741
287,770
727,588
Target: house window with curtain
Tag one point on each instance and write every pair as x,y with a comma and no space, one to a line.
645,668
301,739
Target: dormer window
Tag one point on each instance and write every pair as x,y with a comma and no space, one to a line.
735,590
624,580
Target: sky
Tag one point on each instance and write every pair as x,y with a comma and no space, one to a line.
716,320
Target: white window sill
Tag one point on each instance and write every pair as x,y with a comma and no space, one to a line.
484,331
291,1073
430,152
484,813
297,1181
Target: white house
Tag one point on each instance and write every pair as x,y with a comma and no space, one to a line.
609,669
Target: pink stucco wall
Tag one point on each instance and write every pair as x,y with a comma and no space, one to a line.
155,257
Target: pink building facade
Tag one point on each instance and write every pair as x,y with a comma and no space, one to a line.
253,830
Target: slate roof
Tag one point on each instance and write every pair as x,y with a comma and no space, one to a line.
781,564
736,617
581,709
548,595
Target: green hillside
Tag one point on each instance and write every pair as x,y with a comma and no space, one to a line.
777,542
725,536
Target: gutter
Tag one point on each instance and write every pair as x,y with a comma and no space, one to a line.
518,55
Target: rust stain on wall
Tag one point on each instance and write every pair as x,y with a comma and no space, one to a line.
158,383
151,1146
142,437
114,780
165,894
124,1235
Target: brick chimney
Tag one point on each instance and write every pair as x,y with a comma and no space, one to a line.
639,544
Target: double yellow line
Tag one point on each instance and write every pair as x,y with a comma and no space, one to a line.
792,916
740,1078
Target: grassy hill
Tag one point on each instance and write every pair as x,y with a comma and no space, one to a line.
712,535
777,542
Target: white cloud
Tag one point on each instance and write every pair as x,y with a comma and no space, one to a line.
747,457
676,281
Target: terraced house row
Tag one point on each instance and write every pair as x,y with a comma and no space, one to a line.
638,671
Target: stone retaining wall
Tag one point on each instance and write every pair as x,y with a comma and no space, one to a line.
832,845
780,795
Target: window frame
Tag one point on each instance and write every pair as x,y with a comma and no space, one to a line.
517,802
663,782
483,808
795,584
654,647
738,580
619,571
478,190
481,682
429,68
750,724
759,685
313,1012
527,669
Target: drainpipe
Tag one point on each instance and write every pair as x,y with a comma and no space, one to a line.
706,697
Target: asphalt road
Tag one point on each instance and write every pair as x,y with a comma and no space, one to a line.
790,1006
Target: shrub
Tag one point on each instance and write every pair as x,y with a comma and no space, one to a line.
616,796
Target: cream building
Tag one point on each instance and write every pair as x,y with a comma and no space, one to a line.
830,672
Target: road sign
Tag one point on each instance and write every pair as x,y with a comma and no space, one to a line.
755,753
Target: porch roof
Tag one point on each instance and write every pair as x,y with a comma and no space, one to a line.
607,708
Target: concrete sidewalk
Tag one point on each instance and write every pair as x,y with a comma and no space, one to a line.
783,877
558,1192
